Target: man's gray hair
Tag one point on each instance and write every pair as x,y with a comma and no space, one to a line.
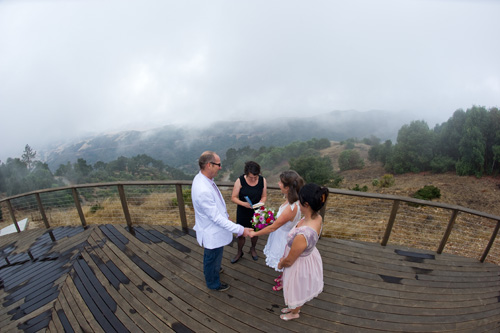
205,158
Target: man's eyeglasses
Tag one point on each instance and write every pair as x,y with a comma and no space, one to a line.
218,164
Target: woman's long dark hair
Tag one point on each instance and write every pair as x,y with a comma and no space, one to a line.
294,182
314,195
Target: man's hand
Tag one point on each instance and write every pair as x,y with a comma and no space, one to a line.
247,231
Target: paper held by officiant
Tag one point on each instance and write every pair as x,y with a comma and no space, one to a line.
257,205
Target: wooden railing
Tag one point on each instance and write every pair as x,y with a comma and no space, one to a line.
417,215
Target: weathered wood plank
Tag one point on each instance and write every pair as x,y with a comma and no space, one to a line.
135,297
150,278
125,311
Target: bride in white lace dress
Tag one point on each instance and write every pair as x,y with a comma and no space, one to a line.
286,218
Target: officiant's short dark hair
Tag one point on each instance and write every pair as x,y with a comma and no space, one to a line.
252,167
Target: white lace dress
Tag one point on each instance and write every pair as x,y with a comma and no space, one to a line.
276,243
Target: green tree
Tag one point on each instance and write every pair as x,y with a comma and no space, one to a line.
14,173
380,152
64,170
349,160
314,169
441,164
448,135
28,156
472,148
372,141
41,177
82,170
319,144
492,140
414,149
496,155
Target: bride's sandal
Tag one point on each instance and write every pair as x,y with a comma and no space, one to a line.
289,316
287,310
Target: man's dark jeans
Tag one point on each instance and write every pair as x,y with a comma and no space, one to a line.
212,259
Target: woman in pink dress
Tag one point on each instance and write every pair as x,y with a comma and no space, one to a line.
301,263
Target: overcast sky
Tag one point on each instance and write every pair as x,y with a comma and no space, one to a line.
80,66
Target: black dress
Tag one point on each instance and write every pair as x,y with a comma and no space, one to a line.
244,215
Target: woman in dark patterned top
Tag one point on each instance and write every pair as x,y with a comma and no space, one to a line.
252,185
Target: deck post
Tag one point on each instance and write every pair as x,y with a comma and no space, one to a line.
123,200
322,213
390,223
12,215
180,202
490,243
447,233
78,206
42,210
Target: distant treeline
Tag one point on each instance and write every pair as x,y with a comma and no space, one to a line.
303,157
21,175
468,143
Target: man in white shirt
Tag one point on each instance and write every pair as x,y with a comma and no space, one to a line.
213,228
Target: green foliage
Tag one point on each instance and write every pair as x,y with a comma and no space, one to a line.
314,169
371,141
95,208
414,150
472,150
441,164
270,157
360,189
349,160
15,177
428,192
465,143
349,145
380,152
186,195
28,156
386,181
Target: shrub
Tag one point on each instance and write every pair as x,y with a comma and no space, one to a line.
428,192
95,208
360,189
387,180
441,164
349,160
336,181
186,194
375,182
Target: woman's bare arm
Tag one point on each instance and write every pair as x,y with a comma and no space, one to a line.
235,195
299,244
287,215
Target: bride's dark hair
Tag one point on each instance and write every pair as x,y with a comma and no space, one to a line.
294,182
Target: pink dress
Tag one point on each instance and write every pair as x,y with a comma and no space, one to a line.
304,279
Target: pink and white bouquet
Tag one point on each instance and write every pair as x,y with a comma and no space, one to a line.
263,217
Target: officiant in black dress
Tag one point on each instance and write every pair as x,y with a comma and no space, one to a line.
252,185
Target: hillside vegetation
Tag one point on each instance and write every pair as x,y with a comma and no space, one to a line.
460,158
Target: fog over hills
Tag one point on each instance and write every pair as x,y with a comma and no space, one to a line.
180,146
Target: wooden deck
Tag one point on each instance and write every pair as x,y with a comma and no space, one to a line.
105,279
